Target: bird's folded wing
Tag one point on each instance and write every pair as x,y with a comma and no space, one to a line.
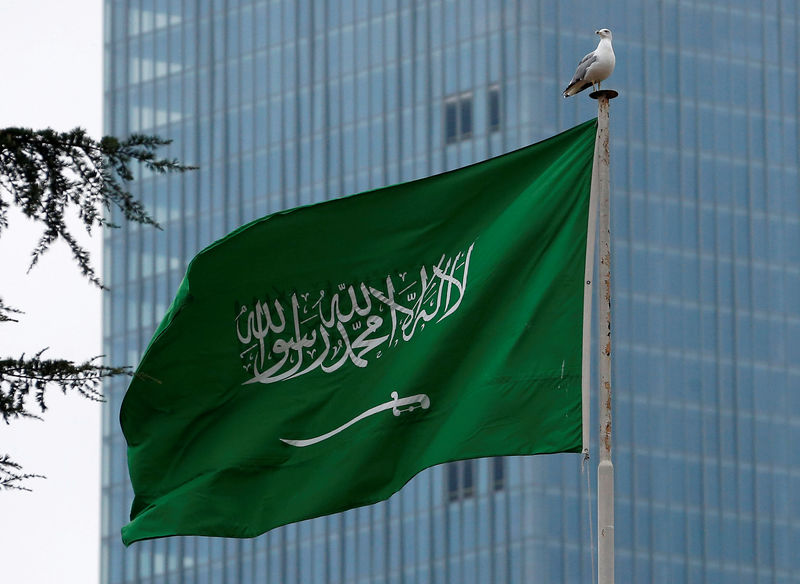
580,72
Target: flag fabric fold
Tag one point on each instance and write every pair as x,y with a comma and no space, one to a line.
317,359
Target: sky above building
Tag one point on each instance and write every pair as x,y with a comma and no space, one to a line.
54,79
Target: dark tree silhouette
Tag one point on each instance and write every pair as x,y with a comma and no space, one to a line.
47,175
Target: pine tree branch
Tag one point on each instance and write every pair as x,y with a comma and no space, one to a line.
11,477
25,380
6,310
46,173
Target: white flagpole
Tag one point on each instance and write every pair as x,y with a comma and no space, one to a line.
605,468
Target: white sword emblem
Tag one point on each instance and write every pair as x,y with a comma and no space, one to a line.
413,402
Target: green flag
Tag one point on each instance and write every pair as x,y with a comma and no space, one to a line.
317,359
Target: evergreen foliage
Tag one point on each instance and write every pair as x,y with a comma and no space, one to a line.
47,175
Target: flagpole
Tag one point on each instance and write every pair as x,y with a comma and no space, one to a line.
605,468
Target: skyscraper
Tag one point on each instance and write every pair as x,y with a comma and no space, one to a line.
286,102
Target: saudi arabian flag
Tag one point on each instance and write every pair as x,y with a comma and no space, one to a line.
317,359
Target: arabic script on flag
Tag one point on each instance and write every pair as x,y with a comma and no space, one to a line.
355,323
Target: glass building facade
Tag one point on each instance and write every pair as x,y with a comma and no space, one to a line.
286,102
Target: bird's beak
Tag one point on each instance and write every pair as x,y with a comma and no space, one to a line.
597,32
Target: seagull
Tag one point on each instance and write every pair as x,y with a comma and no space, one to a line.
594,67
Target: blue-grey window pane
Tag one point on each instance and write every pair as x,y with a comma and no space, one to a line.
494,109
451,121
465,116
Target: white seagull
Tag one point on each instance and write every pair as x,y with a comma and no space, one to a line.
594,67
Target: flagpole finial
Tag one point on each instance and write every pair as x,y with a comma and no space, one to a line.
607,93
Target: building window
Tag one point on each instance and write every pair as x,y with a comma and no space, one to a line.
498,473
451,120
494,108
460,480
465,116
458,117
